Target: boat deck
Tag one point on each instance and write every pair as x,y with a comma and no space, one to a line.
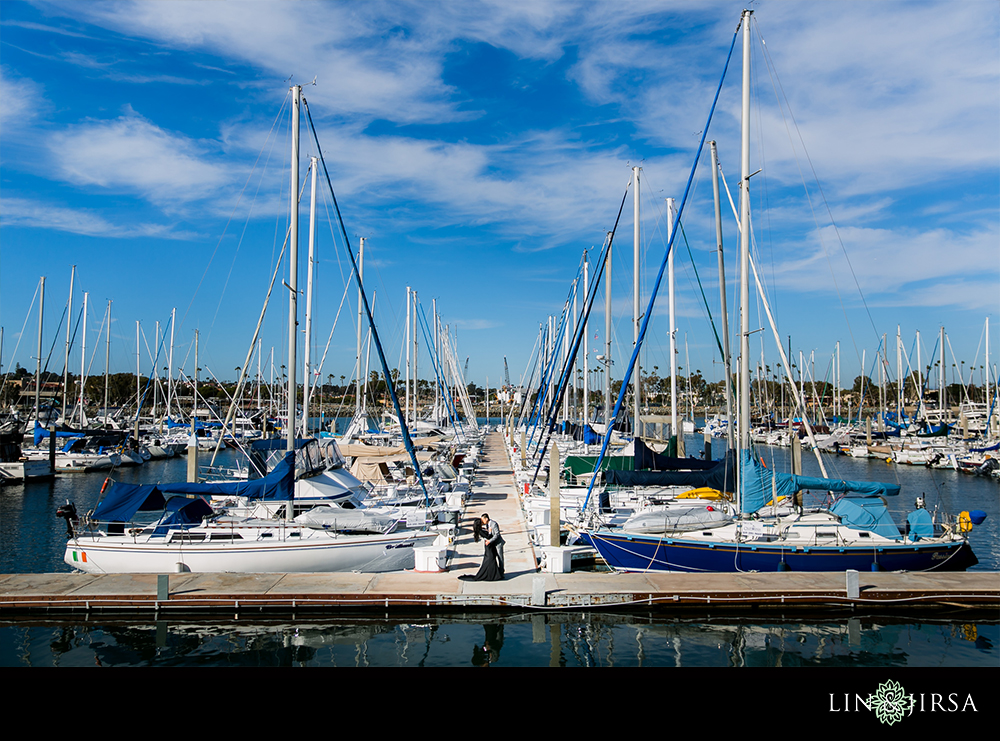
524,589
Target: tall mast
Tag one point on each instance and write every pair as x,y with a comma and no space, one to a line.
607,337
987,397
361,310
744,413
436,350
942,393
836,410
156,375
409,349
293,273
675,431
416,354
586,346
636,309
69,337
107,364
566,340
192,471
170,361
307,379
38,364
726,358
83,359
138,389
920,382
899,376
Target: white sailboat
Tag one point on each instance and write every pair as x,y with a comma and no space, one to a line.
162,528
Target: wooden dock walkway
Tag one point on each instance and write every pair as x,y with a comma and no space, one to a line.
493,492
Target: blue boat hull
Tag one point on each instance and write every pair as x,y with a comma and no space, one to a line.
636,552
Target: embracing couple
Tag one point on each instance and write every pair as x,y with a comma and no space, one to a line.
486,529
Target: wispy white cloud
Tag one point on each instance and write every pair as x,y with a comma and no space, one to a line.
21,100
902,266
25,212
134,155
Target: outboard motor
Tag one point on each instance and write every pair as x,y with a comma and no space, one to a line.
68,513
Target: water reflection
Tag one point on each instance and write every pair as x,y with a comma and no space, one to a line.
577,639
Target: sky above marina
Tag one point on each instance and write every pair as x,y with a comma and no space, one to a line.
482,148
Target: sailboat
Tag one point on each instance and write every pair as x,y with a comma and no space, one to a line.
769,529
162,528
185,534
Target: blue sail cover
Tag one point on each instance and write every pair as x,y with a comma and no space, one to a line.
122,501
42,433
760,484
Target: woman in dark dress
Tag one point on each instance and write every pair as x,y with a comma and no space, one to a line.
490,570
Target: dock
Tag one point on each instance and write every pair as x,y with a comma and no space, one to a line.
524,589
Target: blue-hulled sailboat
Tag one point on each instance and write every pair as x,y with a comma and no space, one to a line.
769,529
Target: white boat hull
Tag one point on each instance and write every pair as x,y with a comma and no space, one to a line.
309,551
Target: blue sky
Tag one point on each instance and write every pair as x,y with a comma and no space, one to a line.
481,148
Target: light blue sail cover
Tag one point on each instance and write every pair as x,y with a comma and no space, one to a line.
122,501
761,483
868,513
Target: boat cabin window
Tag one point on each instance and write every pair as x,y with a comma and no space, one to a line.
187,537
308,459
226,536
334,458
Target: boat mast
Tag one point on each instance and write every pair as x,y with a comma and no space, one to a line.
571,320
409,341
69,330
38,364
836,411
987,397
138,389
307,378
192,455
942,393
899,376
361,311
436,350
586,346
416,353
156,376
293,278
675,431
170,360
83,359
744,412
726,358
607,338
636,309
107,365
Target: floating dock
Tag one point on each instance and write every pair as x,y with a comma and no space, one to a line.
525,588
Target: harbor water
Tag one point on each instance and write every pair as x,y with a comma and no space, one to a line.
32,540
